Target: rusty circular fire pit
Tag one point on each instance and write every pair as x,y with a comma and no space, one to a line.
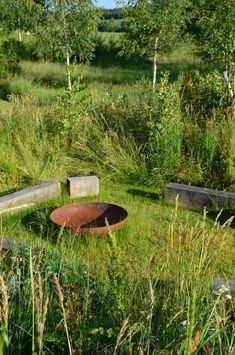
89,218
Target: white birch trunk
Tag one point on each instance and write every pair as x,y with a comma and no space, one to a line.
155,64
68,71
19,35
231,89
228,84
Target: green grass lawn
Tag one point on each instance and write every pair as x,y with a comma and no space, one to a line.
145,236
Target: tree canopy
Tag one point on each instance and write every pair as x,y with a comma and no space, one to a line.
67,29
154,26
215,30
19,15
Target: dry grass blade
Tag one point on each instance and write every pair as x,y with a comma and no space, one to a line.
3,315
63,312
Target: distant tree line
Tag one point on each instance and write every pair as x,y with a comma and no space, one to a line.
112,21
115,14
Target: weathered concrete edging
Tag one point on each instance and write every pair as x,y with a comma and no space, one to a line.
198,197
30,196
82,186
8,244
224,286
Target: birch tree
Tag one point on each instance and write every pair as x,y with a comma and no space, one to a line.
18,15
154,27
67,31
214,30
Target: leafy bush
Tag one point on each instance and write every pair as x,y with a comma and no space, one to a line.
151,138
205,94
10,57
166,131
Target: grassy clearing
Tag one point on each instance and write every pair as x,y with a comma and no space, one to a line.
45,81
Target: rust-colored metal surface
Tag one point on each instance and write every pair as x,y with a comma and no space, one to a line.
89,218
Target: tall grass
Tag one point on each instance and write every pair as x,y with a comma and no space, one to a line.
165,309
29,153
149,138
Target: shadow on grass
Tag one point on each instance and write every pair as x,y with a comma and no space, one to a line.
40,224
110,60
144,194
140,68
223,218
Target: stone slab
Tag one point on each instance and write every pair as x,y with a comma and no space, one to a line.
198,197
8,244
30,196
82,186
224,285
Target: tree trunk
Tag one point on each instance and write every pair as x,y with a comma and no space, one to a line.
68,71
233,99
228,84
230,88
19,35
155,63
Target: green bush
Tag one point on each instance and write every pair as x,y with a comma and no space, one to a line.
150,138
205,94
166,131
10,57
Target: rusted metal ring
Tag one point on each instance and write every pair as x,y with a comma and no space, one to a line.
90,218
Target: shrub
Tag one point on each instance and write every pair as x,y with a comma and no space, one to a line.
166,131
10,57
205,93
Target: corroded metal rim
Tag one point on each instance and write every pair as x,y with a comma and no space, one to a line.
90,218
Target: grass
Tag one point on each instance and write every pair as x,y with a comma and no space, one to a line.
45,81
149,218
150,281
147,289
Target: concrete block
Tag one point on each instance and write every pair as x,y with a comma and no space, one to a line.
82,186
224,286
30,196
8,244
198,197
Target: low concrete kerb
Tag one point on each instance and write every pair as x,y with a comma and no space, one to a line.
198,197
29,197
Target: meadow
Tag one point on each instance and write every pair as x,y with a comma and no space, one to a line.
147,289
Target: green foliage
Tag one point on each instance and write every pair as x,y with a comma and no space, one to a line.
69,108
29,152
148,21
140,136
205,93
10,57
166,130
64,31
215,34
19,15
216,30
